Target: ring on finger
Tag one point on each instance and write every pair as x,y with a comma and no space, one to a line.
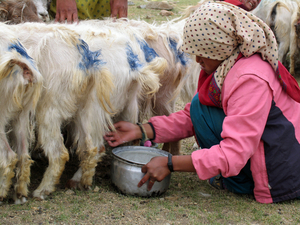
151,181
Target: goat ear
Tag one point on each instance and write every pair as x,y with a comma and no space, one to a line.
3,15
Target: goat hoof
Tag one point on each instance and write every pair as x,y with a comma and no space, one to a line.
72,184
83,187
19,195
21,200
41,195
39,198
87,188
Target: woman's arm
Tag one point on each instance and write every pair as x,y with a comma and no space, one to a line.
174,127
166,129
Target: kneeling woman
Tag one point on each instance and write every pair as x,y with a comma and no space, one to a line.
245,115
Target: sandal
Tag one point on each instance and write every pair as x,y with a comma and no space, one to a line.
217,182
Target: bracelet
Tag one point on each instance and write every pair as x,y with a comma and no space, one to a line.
153,130
170,163
144,134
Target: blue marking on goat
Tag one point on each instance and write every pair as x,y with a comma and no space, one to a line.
149,52
18,47
132,59
180,56
89,58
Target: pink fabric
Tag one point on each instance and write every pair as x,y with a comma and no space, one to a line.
231,33
208,91
147,143
167,127
251,81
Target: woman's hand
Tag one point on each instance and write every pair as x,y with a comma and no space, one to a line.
125,132
155,170
66,10
119,8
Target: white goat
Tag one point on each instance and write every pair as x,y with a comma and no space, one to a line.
160,41
74,80
42,7
282,17
20,84
73,74
166,40
133,77
183,70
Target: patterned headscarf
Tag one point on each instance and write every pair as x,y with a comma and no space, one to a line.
222,31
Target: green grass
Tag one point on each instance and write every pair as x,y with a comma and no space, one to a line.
151,15
187,201
184,203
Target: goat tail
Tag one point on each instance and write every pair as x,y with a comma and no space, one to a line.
104,87
7,70
150,76
149,81
22,74
179,83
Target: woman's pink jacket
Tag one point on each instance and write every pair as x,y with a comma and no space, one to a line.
262,124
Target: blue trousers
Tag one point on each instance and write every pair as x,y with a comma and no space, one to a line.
207,122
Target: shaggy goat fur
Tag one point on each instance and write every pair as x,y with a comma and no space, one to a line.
282,17
42,7
162,41
18,11
79,64
20,90
74,78
134,78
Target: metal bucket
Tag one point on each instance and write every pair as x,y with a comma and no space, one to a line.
126,170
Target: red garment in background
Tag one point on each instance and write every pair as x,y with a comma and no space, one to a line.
237,3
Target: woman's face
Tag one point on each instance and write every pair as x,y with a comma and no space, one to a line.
208,65
250,4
